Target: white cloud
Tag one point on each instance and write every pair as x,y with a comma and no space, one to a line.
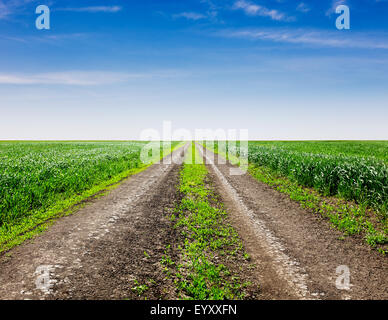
212,11
334,5
302,7
93,9
9,7
253,9
77,78
3,10
312,37
49,38
190,15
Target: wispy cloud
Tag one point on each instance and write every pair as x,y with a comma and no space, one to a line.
53,39
212,9
65,78
312,37
93,9
190,16
302,7
9,7
82,78
253,9
77,78
4,12
334,5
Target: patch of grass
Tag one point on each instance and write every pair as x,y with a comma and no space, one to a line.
139,289
205,233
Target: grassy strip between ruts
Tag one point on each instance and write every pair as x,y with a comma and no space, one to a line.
30,226
346,216
207,241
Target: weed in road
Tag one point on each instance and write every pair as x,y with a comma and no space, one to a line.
206,234
139,289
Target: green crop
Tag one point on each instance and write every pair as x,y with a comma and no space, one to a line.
353,170
35,175
40,179
345,181
352,177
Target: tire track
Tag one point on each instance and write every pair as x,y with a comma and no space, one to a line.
285,267
97,252
304,251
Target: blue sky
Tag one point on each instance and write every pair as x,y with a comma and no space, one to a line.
109,69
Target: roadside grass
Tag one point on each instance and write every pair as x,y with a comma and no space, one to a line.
363,149
36,221
207,239
350,218
352,177
347,216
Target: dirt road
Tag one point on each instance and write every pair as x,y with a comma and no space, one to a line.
297,252
115,243
99,252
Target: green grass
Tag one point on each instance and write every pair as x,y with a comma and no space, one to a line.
330,170
365,149
335,179
139,289
205,233
42,180
350,218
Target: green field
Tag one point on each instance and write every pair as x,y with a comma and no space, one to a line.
366,149
351,174
38,180
353,170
